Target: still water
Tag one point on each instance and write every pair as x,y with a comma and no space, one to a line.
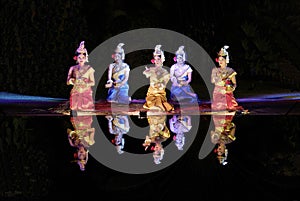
150,157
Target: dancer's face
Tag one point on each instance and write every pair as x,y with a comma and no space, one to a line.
222,62
117,57
158,61
179,59
81,59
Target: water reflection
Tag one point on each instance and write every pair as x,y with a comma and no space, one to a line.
158,133
118,125
222,135
161,128
81,137
162,131
36,158
180,125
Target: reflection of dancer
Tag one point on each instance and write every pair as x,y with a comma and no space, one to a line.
118,74
181,76
81,76
83,130
180,125
81,156
118,125
159,77
158,133
223,134
224,79
82,137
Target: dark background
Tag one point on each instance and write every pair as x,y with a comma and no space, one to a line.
38,40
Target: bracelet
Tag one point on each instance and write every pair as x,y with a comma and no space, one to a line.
109,81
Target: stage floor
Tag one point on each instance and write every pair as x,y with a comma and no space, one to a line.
23,105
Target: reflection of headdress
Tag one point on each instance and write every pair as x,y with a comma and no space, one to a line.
158,51
82,50
120,50
158,156
179,140
180,51
82,162
222,159
224,53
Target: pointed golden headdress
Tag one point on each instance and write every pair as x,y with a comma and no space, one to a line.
223,53
82,50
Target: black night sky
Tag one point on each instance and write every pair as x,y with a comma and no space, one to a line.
39,37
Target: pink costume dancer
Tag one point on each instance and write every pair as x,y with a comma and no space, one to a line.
84,131
81,76
223,134
223,78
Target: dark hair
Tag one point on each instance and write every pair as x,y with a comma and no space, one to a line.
79,53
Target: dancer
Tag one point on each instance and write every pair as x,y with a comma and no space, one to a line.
181,77
223,77
118,74
81,76
159,77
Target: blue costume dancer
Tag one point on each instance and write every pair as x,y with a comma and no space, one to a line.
118,74
181,76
